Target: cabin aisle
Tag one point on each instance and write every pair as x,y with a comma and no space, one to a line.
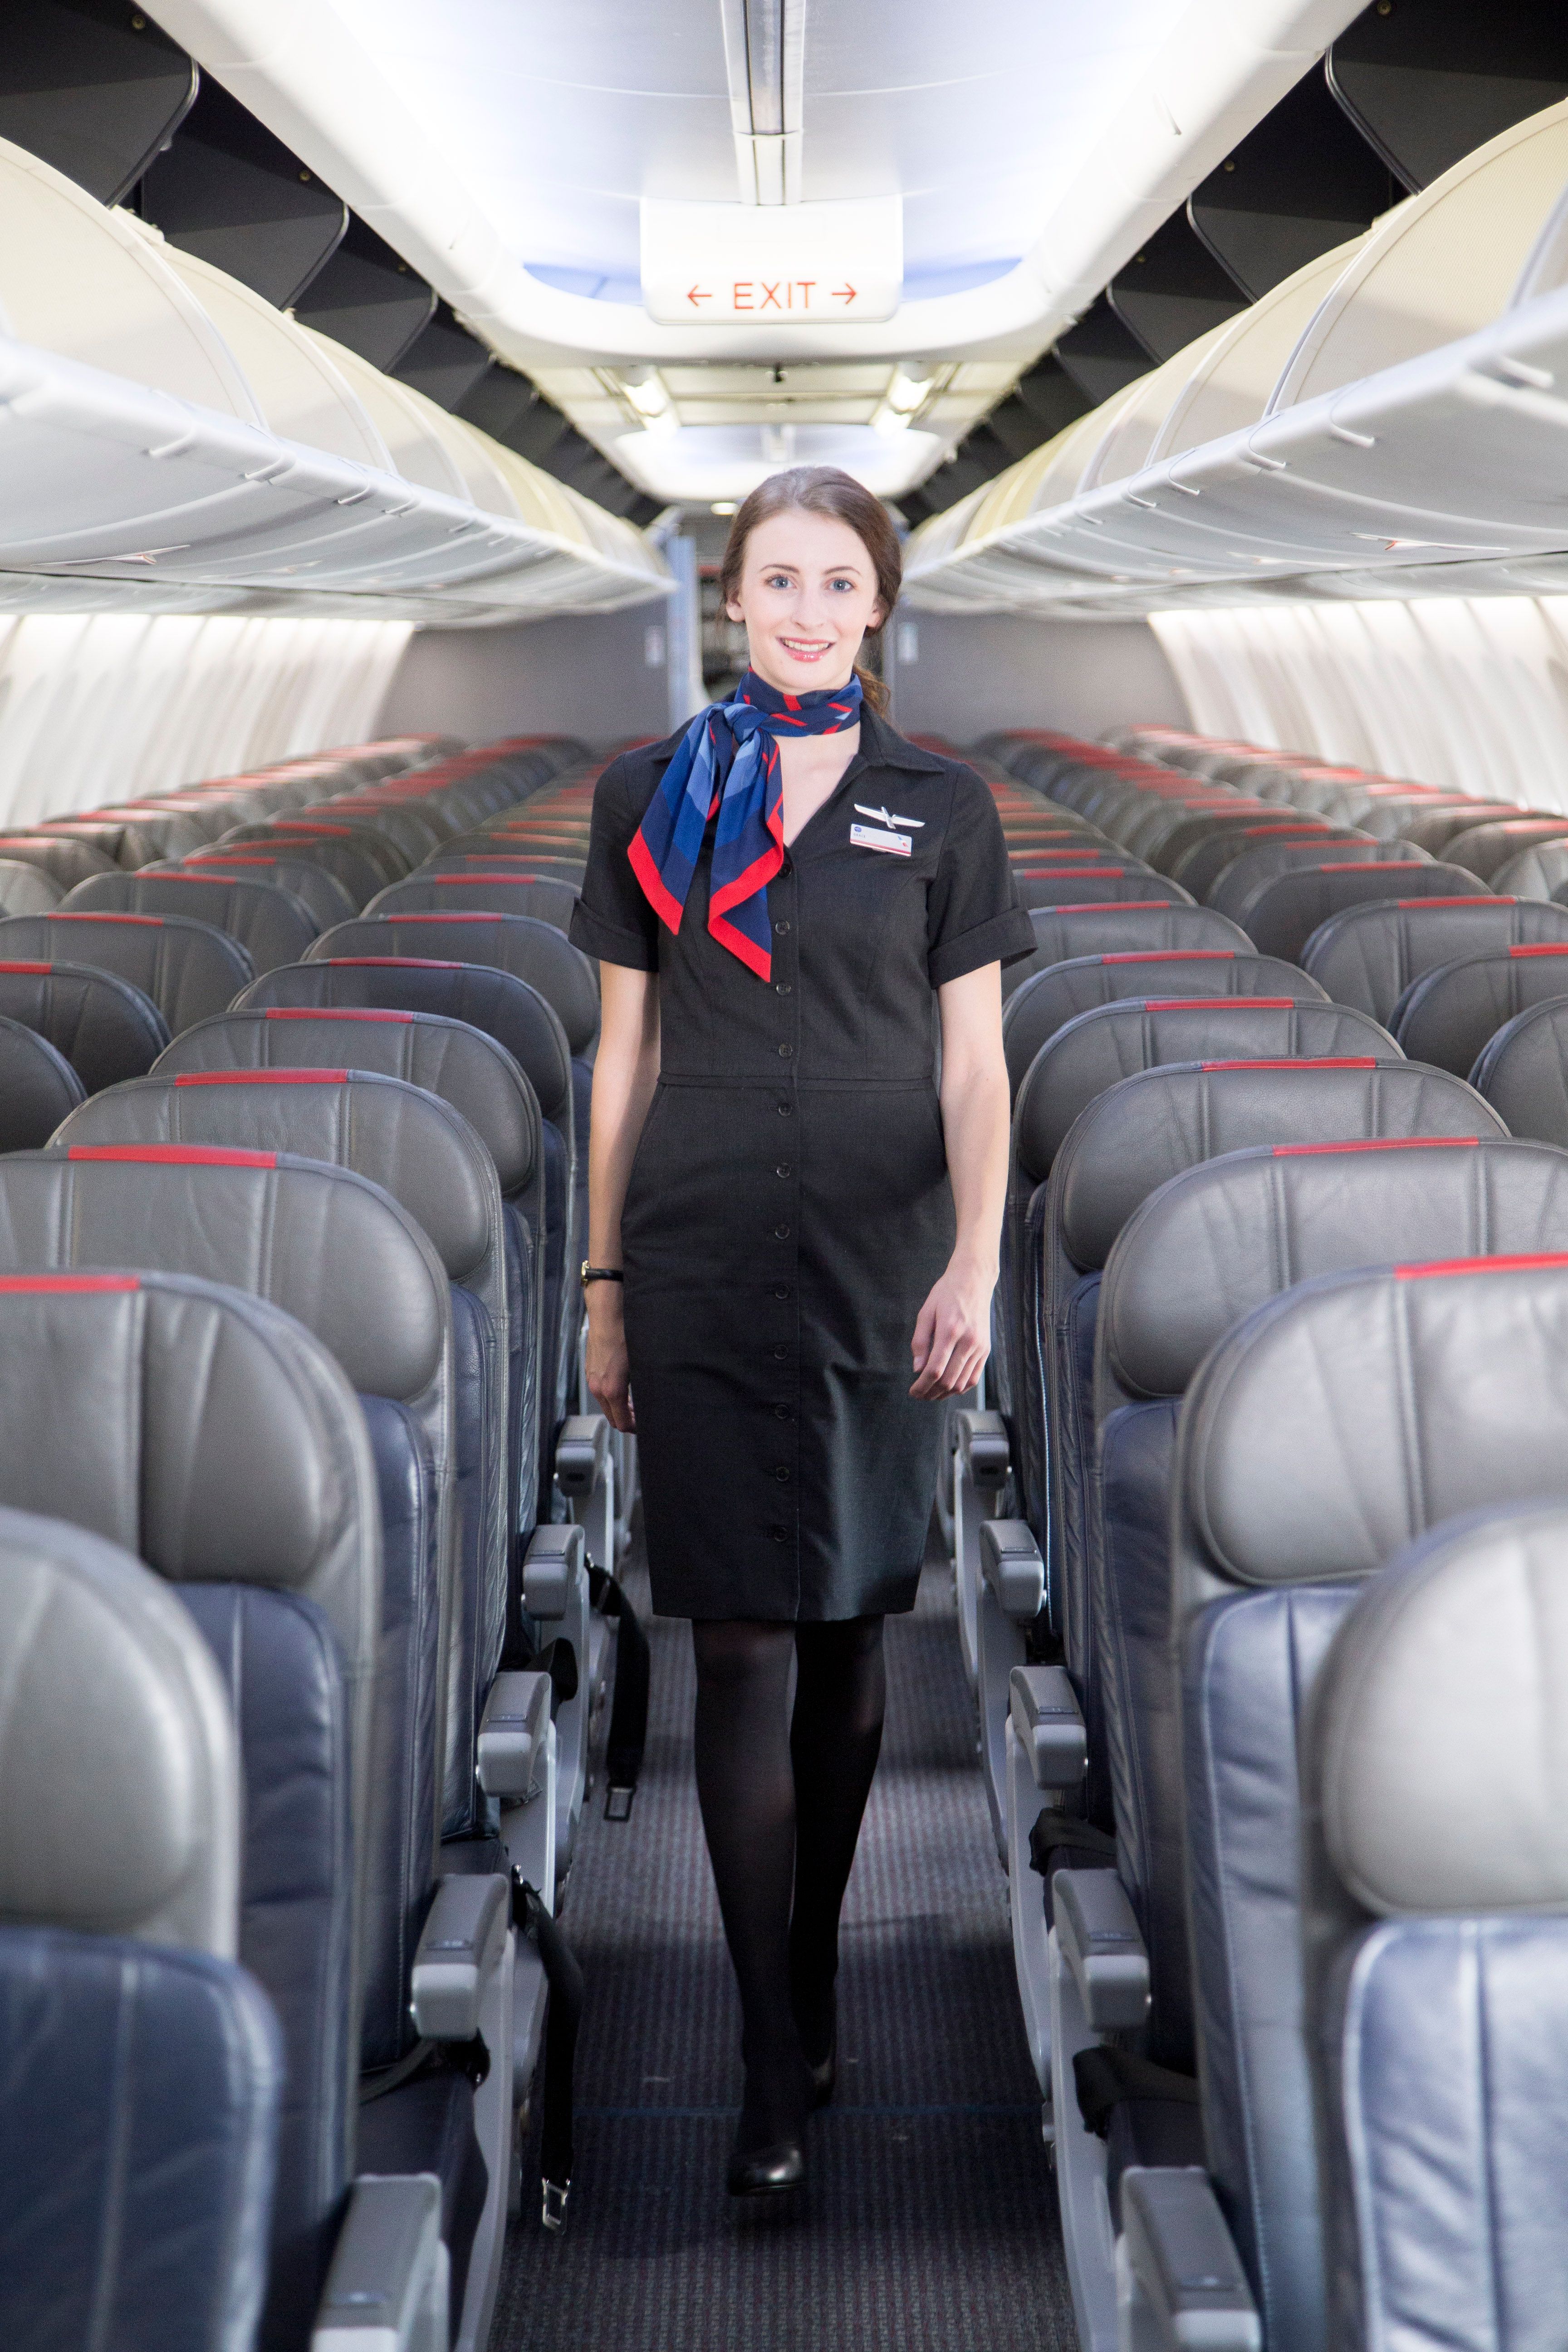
930,2221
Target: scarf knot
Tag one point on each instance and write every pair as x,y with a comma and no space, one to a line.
727,764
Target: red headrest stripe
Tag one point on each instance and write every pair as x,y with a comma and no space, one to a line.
1550,948
331,1013
262,1078
1171,955
1378,1143
398,963
1208,1003
176,1155
1302,1061
156,921
1478,1265
71,1282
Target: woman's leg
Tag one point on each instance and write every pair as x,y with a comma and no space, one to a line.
835,1740
746,1789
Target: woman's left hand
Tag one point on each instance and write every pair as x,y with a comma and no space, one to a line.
952,1333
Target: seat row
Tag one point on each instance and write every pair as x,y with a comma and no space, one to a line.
1210,1323
288,1318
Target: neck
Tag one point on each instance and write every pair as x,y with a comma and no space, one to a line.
817,686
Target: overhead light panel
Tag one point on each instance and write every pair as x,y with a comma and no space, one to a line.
906,393
649,397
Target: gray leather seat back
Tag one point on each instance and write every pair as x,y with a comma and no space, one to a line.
1240,882
104,1027
326,898
413,832
1282,916
270,924
1216,843
1541,872
1448,1016
1333,1426
135,837
1437,1940
343,1259
1486,849
1523,1072
1093,1051
1063,933
1102,884
27,889
187,968
121,1761
531,950
38,1087
350,852
1052,999
64,859
1368,956
546,895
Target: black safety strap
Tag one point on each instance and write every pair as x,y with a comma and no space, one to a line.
1055,1834
563,1977
558,1659
1106,2078
629,1708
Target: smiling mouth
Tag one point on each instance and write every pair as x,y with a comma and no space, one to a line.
806,648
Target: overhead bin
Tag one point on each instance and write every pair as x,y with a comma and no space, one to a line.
174,444
1387,422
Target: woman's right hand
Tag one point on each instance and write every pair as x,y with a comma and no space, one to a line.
607,1370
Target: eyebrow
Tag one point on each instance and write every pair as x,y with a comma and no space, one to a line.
781,566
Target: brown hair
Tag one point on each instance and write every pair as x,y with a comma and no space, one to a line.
824,491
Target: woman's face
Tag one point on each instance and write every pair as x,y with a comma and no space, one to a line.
807,596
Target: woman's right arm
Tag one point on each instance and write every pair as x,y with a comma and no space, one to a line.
626,1072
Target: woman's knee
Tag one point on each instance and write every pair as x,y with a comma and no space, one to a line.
733,1651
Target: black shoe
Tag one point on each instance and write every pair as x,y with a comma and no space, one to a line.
767,2171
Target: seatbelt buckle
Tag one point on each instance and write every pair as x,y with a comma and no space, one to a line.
553,2211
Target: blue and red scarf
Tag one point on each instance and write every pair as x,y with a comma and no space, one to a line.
728,762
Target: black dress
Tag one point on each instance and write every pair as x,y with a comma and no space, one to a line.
789,1206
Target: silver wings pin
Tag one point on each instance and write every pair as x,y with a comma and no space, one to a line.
895,823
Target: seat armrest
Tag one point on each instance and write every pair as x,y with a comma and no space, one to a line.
465,1931
1183,2288
1011,1564
1049,1722
581,1452
556,1556
982,1443
388,2287
1101,1945
511,1742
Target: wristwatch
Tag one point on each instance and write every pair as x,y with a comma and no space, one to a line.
601,1273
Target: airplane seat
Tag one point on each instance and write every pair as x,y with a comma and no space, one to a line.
105,1028
1292,1489
340,1255
188,968
520,1020
1245,876
1448,1016
532,889
1437,829
351,856
483,892
66,861
1063,933
1484,850
142,2064
413,831
1282,916
1539,873
1523,1072
1049,1000
1198,851
1368,956
272,925
131,837
326,898
1198,1256
27,889
1101,883
1437,1945
38,1087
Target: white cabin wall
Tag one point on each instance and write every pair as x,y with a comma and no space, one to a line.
972,674
97,707
588,676
1471,694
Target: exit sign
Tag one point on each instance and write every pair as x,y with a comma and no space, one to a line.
771,265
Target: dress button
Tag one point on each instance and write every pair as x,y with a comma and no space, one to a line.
786,1110
783,1168
786,870
779,929
782,1475
780,1355
781,1412
781,1292
786,1052
781,1232
782,988
778,1535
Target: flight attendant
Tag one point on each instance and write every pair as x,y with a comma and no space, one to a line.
793,1232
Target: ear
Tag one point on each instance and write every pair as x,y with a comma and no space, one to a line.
733,613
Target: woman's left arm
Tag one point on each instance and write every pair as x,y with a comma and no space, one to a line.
953,1332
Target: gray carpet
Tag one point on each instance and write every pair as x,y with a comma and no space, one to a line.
930,2220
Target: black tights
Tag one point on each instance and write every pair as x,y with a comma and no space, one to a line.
781,1802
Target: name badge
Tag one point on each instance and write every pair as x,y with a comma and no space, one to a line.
871,837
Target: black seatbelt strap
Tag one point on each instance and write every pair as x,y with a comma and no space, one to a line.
627,1735
1056,1835
563,1976
1107,2078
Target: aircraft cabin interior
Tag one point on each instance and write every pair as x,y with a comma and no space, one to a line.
406,416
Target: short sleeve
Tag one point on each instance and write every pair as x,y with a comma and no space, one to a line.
972,915
612,918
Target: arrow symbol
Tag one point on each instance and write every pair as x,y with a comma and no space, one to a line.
695,295
844,293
